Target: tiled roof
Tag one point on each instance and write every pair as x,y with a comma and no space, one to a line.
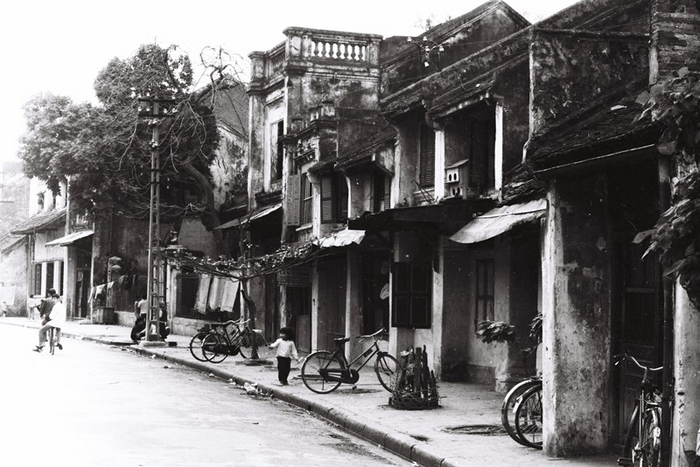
610,129
39,222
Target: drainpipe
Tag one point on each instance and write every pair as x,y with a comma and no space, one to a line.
668,313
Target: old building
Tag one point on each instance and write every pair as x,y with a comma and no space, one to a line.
486,170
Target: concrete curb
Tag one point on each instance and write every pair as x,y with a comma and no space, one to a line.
398,443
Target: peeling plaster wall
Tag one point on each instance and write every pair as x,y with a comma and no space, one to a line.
577,324
570,70
408,66
686,408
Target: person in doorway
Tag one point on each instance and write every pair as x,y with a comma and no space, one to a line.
55,317
285,351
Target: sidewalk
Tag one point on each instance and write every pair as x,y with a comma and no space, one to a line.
456,434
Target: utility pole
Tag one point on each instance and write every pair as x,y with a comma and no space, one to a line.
155,290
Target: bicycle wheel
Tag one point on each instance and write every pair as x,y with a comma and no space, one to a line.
196,346
214,348
509,403
648,448
528,418
388,370
630,438
311,375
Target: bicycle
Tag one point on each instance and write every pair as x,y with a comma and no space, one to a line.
644,432
528,417
197,341
217,346
323,371
512,398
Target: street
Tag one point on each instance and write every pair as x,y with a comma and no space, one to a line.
95,405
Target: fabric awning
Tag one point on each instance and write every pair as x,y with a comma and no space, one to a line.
500,220
70,238
341,238
257,214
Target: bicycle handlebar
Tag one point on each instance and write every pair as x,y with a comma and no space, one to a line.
237,322
625,356
381,330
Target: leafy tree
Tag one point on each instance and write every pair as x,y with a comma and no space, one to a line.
105,149
676,104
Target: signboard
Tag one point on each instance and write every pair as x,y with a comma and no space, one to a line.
299,276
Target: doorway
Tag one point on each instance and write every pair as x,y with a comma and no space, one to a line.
637,292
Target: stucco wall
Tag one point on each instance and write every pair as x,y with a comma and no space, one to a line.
572,70
576,324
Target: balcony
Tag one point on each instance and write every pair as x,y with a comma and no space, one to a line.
310,48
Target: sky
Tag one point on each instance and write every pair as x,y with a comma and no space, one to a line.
59,46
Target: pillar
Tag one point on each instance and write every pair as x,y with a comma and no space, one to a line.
576,319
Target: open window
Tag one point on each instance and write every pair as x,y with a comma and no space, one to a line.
334,199
470,151
276,150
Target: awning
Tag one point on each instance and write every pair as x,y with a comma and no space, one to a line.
70,238
257,214
500,220
341,238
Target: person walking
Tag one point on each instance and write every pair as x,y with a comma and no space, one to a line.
285,351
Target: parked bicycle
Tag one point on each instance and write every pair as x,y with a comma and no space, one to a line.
643,441
528,434
216,341
323,371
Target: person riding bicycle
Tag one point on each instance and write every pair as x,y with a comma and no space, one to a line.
53,312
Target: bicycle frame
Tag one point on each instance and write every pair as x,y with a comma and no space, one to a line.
646,401
347,374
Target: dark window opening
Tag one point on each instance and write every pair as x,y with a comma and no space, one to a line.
484,291
279,160
334,199
412,295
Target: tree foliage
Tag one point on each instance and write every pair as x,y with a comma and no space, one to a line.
105,149
676,104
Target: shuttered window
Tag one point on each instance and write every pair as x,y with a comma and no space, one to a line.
412,297
427,156
279,148
334,199
292,208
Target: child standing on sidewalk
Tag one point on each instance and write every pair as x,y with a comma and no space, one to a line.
285,351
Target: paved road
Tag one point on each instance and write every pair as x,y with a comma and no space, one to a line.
95,405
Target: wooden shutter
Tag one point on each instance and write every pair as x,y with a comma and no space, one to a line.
427,156
293,201
327,200
412,295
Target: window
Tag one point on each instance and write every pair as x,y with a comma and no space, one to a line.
481,153
484,291
37,280
50,277
306,200
334,199
426,155
276,150
412,298
381,192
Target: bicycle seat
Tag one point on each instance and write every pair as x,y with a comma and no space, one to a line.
341,340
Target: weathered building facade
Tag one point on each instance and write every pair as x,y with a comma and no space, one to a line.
495,172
